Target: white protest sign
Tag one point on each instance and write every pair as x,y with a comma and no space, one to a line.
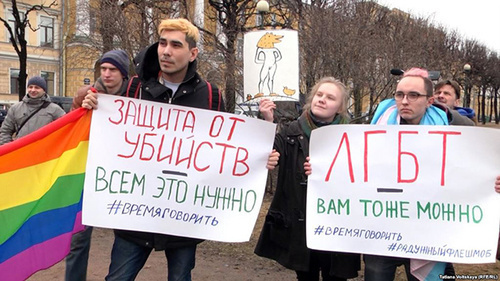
423,192
271,65
176,170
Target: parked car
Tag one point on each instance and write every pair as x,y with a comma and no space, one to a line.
63,102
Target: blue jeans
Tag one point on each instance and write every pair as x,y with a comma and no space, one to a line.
78,257
380,268
128,258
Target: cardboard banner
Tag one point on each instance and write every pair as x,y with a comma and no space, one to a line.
422,192
176,170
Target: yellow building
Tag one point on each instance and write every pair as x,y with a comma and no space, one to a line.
66,45
44,49
58,49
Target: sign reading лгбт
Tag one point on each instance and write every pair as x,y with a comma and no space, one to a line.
175,170
422,192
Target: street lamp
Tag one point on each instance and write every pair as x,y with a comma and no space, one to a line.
262,8
467,67
467,70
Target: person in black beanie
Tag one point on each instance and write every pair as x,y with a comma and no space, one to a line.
33,112
113,81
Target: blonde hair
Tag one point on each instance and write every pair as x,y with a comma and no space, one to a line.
183,25
343,90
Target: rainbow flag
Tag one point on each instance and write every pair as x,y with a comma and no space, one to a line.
41,184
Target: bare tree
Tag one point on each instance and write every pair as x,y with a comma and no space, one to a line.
477,55
17,37
495,83
357,41
130,25
228,22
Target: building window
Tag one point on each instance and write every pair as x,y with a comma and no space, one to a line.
46,32
49,78
14,81
12,23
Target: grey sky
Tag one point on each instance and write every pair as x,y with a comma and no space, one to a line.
478,19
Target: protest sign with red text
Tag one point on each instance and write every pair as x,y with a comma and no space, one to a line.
423,192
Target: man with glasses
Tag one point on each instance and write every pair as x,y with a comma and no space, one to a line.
413,104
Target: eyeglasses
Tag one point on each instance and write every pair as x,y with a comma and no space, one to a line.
411,96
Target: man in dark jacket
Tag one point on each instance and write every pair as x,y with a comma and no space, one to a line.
448,92
113,81
114,66
167,71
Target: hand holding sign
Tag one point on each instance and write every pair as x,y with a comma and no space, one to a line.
175,170
375,188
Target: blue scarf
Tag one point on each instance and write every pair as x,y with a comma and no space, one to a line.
387,114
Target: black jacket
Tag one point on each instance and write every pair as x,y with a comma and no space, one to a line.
192,92
283,236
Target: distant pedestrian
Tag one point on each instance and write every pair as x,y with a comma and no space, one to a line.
33,112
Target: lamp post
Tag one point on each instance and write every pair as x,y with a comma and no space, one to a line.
467,70
262,8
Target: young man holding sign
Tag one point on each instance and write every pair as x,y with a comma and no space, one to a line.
413,104
167,70
113,81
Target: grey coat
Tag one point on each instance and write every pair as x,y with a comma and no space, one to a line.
21,110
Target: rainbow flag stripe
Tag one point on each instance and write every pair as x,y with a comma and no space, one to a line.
41,184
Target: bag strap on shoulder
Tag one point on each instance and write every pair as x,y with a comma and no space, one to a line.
211,98
44,105
134,85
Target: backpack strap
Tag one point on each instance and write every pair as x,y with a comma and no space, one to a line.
218,100
211,98
134,85
209,95
44,105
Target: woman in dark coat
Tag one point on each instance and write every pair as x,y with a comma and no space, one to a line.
283,237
